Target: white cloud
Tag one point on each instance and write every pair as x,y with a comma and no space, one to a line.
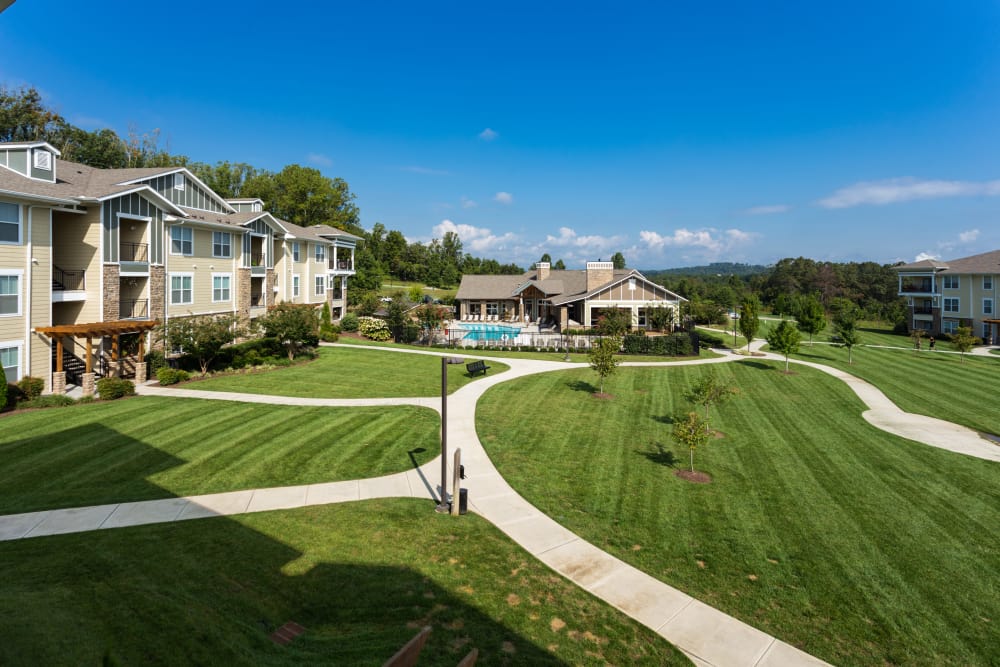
593,243
895,190
414,169
969,236
488,134
925,255
695,245
768,210
504,197
474,239
319,160
468,203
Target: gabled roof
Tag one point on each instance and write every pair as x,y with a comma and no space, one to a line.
922,265
987,262
561,287
327,230
31,144
139,174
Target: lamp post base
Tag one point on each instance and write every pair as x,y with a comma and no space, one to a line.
443,508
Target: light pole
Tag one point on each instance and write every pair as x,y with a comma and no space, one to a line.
443,507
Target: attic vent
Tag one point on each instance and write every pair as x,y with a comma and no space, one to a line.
43,159
178,181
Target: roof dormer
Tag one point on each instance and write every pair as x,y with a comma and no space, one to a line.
33,159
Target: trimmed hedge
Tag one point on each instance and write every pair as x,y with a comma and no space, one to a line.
31,387
674,345
167,376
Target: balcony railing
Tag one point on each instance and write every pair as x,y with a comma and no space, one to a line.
921,287
133,309
256,300
923,310
68,280
257,259
341,265
133,252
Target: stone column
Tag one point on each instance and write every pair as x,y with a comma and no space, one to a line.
59,382
140,372
112,296
243,295
88,384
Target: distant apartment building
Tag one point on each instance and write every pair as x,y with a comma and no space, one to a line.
91,259
943,296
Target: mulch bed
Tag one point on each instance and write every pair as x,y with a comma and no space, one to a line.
696,477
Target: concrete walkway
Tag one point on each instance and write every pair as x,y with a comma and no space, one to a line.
705,634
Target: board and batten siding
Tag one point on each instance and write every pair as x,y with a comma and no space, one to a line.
132,204
644,291
192,196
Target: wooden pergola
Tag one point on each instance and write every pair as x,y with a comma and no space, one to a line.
97,330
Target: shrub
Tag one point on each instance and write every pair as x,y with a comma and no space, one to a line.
3,389
166,376
155,360
708,339
113,388
350,322
11,393
48,401
374,328
31,387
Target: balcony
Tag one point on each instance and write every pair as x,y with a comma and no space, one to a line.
341,266
257,264
133,258
923,310
910,287
68,285
133,309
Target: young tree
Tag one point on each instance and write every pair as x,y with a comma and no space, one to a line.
614,322
916,335
431,316
963,340
691,431
416,293
602,357
660,318
326,322
396,316
845,328
784,339
811,318
750,318
709,391
201,336
295,325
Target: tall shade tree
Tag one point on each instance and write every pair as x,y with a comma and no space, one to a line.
618,260
811,318
602,357
750,318
560,265
691,431
306,197
546,257
963,340
784,339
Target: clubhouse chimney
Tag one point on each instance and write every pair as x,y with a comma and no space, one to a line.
599,273
543,270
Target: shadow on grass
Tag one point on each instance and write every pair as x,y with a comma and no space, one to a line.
760,365
663,419
661,456
580,385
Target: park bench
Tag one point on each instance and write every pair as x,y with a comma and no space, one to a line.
476,367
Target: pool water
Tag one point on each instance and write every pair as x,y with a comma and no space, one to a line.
481,332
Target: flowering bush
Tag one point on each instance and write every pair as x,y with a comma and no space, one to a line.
374,328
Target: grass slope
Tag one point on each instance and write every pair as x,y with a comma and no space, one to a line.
361,577
854,545
148,447
342,372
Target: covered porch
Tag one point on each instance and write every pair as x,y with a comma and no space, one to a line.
99,330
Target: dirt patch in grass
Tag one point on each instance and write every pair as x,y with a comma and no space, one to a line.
601,396
696,476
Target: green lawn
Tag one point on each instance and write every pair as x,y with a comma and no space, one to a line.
149,447
856,546
350,373
362,578
928,383
391,287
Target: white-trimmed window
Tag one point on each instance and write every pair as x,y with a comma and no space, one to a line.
320,253
178,181
987,306
10,223
320,288
987,282
950,282
295,251
642,317
951,304
181,289
221,287
296,281
181,240
10,293
10,360
492,308
949,326
222,244
43,159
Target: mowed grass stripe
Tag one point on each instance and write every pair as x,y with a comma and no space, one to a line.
855,545
151,447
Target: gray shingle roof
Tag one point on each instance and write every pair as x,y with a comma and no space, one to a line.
560,286
987,262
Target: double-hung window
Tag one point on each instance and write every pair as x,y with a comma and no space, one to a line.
320,253
295,285
221,287
987,282
222,244
950,282
181,241
951,304
10,293
987,306
949,326
295,251
10,360
320,286
181,289
10,223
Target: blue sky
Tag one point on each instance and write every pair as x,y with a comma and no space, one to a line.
677,133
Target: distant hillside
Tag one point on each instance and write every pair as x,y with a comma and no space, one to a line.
716,269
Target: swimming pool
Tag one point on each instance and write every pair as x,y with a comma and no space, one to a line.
480,332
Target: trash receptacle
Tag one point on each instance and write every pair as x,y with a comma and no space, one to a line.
463,501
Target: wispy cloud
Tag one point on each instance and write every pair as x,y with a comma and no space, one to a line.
89,122
896,190
504,197
767,210
950,246
428,171
476,239
595,244
968,236
712,240
925,255
468,203
488,134
319,160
